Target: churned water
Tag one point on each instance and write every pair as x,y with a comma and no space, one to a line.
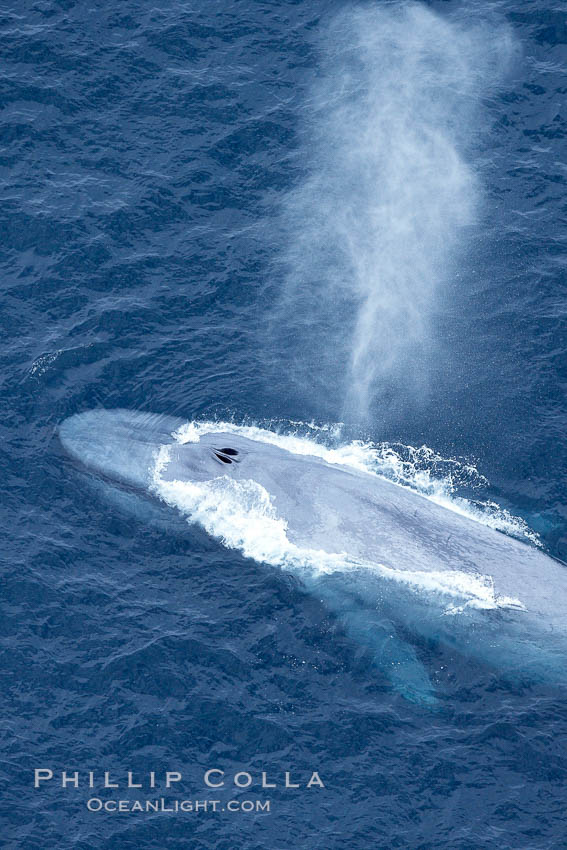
340,224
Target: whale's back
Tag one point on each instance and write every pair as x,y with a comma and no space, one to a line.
338,509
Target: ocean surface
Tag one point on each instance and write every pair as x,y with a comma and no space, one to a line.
336,222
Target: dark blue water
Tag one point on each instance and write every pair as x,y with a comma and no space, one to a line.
148,156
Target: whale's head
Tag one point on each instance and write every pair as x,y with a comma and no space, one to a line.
125,447
120,445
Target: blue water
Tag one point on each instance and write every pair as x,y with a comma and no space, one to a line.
154,162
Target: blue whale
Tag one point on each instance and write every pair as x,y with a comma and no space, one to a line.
397,568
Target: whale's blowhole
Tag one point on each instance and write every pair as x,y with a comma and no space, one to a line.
226,455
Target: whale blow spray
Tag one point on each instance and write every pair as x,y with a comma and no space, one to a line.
374,227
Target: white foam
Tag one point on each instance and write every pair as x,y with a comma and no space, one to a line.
241,514
420,469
